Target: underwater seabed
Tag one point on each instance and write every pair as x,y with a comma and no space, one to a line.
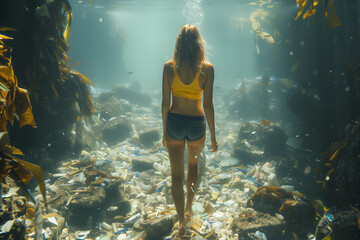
255,187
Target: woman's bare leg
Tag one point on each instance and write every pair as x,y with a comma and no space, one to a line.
176,154
193,154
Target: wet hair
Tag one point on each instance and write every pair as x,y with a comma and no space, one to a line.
189,47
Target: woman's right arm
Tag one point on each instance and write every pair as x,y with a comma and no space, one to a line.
165,97
209,106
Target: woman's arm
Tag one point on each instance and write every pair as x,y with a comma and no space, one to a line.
165,97
209,106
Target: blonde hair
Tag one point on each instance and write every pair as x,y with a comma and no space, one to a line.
189,47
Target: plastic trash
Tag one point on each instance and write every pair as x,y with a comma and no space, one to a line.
330,217
288,187
144,187
159,167
161,187
106,226
122,231
133,218
217,226
198,207
260,235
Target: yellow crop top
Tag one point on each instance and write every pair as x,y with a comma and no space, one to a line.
190,91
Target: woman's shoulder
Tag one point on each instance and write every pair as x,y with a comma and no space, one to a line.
169,63
169,68
208,67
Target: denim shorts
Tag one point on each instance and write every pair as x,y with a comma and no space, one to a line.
180,126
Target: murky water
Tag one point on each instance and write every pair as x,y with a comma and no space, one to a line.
138,37
286,99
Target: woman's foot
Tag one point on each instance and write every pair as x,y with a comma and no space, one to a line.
181,230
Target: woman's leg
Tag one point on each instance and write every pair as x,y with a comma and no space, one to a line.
193,154
176,154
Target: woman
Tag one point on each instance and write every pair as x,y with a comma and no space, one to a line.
187,77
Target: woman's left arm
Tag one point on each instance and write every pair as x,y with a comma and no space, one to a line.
165,97
209,106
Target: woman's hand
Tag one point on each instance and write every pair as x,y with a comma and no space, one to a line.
164,141
214,145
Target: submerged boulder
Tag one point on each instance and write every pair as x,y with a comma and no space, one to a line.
86,209
149,136
104,96
113,107
142,163
343,178
258,140
298,211
339,225
158,227
132,96
250,222
116,130
85,138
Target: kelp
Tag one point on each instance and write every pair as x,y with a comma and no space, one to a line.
255,18
59,94
330,13
50,76
14,101
298,211
21,171
330,164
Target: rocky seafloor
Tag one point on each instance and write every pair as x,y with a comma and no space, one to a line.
256,186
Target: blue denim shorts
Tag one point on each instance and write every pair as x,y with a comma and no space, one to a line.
180,126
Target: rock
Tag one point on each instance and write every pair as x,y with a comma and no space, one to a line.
149,137
252,221
252,132
158,227
115,196
116,130
85,209
147,175
247,155
340,225
142,163
105,165
343,183
275,139
105,96
132,96
256,140
85,138
298,211
113,107
286,167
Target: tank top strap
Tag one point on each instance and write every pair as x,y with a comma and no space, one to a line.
174,65
197,74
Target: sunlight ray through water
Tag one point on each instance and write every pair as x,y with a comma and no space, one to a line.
193,12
